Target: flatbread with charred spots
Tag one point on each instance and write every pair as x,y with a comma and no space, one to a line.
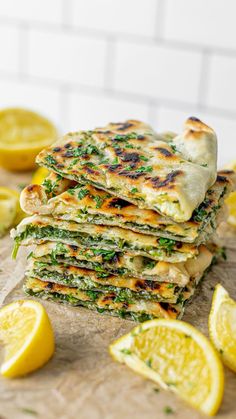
130,161
39,229
121,264
87,204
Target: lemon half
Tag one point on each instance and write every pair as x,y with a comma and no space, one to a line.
23,134
176,356
222,326
27,336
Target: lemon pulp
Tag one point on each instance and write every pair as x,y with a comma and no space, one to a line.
23,134
176,356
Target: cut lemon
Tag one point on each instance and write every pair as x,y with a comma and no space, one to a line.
231,203
231,199
222,326
39,175
177,357
27,335
231,165
23,134
10,211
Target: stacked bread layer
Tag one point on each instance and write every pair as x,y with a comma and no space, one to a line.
95,249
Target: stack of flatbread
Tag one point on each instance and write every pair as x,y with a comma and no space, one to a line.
123,222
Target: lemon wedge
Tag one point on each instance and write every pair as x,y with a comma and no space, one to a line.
231,203
39,175
10,211
231,199
177,357
27,335
231,165
23,134
222,326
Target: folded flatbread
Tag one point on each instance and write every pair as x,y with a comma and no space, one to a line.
125,289
121,264
70,201
131,162
140,310
39,229
128,289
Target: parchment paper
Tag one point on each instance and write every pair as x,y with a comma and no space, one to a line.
82,381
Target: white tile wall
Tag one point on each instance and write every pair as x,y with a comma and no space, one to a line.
122,17
43,99
66,57
202,22
222,82
87,111
33,10
83,63
157,71
9,47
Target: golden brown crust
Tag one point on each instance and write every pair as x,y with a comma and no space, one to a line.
109,210
114,238
106,300
136,266
137,285
128,156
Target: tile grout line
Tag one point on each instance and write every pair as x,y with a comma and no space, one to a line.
66,18
23,43
109,71
153,109
159,19
92,90
204,79
63,106
124,37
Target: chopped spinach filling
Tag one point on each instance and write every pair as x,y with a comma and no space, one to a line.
104,267
50,186
167,244
124,314
94,288
82,193
163,249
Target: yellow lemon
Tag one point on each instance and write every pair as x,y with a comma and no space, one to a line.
222,326
231,203
23,134
231,199
10,211
39,175
27,336
176,356
231,165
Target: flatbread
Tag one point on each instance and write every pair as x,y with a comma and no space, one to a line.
131,162
121,264
38,229
87,204
125,288
141,310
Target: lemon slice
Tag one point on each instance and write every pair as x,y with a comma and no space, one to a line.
23,134
176,356
39,176
27,335
222,326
